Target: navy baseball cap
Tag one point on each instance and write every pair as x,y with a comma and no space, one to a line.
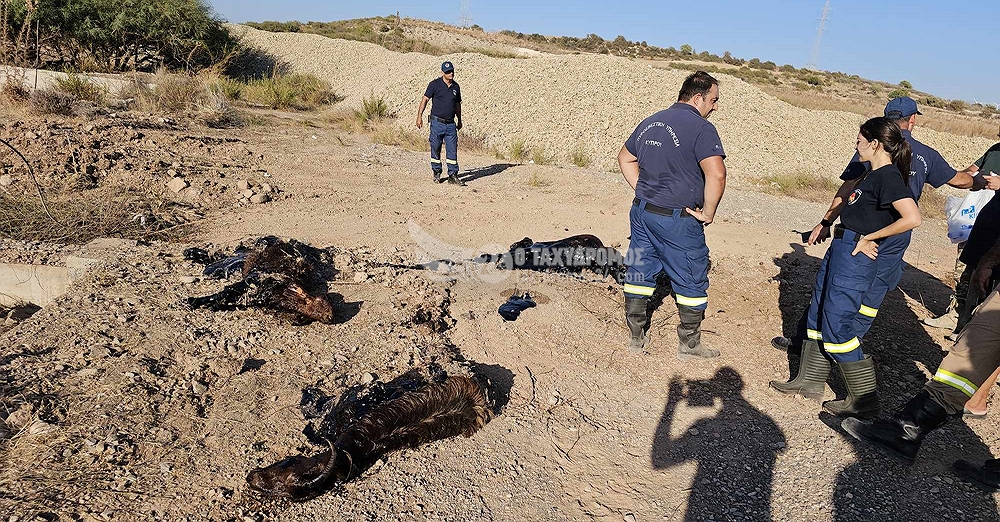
901,108
447,67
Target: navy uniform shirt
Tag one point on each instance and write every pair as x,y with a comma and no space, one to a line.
670,146
926,166
444,98
869,208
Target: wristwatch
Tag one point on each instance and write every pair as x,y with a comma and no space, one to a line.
826,222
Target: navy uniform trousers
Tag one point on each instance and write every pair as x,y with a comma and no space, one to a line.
447,133
674,244
841,285
890,271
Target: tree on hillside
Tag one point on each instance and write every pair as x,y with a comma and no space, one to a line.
686,49
112,35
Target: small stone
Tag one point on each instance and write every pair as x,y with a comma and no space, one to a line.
247,194
629,517
172,173
177,184
266,188
99,352
198,388
242,185
189,279
360,277
87,372
257,199
693,431
6,180
368,378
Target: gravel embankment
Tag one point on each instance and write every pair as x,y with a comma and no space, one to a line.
589,102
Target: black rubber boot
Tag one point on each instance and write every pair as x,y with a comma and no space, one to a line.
638,324
437,177
862,394
453,179
689,334
902,435
814,368
985,477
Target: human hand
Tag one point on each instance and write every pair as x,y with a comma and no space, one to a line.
980,277
701,215
420,122
867,247
458,126
819,235
992,181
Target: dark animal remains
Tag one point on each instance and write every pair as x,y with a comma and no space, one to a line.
284,276
404,413
570,255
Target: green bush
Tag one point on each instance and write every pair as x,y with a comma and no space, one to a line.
905,84
957,105
80,87
518,151
813,79
579,158
373,109
934,101
276,27
898,93
292,91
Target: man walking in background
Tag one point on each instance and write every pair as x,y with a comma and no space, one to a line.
674,161
445,121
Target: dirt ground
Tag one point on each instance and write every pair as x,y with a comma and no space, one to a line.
122,404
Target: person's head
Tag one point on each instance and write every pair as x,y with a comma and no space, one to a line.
902,111
701,91
448,70
880,138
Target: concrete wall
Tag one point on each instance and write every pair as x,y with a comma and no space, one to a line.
32,283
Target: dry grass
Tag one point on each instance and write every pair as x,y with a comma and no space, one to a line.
536,181
540,157
932,202
809,187
387,134
48,101
293,91
579,158
518,151
107,212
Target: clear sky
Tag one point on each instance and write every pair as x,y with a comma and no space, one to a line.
948,48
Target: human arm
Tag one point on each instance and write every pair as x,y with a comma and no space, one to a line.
908,220
820,233
715,185
629,165
458,114
420,112
667,451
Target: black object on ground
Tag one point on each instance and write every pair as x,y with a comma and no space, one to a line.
512,309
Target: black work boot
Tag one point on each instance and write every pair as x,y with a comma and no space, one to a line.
862,395
689,334
453,179
985,477
903,434
638,324
814,368
437,177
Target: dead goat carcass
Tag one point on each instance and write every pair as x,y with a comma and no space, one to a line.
570,255
402,414
284,276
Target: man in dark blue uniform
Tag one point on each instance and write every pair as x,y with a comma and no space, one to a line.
927,166
446,109
674,161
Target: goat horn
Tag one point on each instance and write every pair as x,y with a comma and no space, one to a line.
328,469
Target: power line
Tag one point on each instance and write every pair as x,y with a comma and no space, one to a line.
814,57
465,15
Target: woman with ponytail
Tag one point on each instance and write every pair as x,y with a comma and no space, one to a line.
880,206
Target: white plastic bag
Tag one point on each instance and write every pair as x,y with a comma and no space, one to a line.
962,213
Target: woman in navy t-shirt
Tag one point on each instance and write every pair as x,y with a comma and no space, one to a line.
880,206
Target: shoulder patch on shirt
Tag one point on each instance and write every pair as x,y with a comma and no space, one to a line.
854,196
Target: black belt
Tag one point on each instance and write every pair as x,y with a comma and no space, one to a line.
663,211
838,233
441,120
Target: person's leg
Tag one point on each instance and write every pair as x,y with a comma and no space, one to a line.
814,366
949,319
435,139
976,405
640,280
680,245
974,357
451,153
890,271
850,277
